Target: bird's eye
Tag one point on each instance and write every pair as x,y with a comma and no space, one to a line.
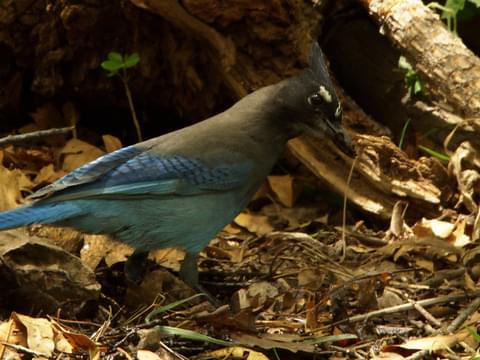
315,99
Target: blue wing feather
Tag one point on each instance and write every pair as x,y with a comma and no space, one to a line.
89,172
131,171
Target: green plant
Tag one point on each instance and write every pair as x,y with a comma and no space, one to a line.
455,10
412,79
117,64
404,132
440,156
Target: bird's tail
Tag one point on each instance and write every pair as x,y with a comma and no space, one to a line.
37,214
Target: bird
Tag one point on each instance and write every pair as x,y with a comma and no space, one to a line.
182,188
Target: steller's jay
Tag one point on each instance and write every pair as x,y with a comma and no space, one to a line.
182,188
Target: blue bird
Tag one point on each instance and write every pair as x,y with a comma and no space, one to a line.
182,188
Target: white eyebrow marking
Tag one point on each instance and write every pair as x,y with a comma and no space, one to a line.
338,111
325,94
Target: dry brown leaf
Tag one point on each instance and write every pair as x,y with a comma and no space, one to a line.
12,182
460,239
147,355
39,334
111,143
99,247
170,258
262,192
453,233
438,228
11,334
47,175
257,224
232,229
75,339
282,187
237,352
425,264
434,343
388,356
77,153
266,341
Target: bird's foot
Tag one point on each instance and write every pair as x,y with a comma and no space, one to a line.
136,266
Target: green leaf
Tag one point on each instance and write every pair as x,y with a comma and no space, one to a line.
112,66
116,57
131,60
475,2
417,87
191,335
474,334
454,5
403,133
403,63
434,153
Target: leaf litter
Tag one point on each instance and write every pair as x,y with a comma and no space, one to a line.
276,268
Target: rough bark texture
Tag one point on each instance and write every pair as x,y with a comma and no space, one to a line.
450,68
54,49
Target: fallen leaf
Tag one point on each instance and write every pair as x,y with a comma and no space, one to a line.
111,143
147,355
438,228
460,238
47,175
77,153
282,187
75,339
39,334
257,224
11,334
237,352
434,343
12,182
99,247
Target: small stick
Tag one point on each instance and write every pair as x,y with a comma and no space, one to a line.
35,135
405,307
426,314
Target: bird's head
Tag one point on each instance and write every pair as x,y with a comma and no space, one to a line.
313,105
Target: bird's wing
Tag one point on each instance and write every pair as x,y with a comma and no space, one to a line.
131,171
89,172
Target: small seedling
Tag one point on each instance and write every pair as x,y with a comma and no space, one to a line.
455,10
449,12
412,79
117,64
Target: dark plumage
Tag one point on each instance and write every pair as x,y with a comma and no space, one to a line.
182,188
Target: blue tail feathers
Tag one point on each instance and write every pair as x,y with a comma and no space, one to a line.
37,214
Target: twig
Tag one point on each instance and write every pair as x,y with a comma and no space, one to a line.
460,319
406,307
24,350
426,314
131,106
34,136
344,210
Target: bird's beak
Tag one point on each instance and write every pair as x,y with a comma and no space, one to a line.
340,138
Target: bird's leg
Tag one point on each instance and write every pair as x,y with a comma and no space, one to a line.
188,270
135,266
189,274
